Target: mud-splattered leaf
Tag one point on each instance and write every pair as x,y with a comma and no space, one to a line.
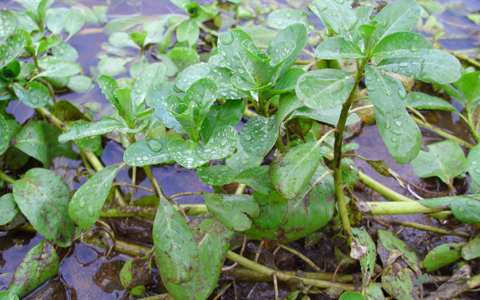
339,17
338,48
472,249
473,164
43,198
292,171
419,100
150,77
232,210
310,211
35,95
216,175
14,47
398,16
398,282
391,243
212,239
8,209
399,132
186,153
374,292
147,152
282,18
324,89
259,135
466,209
176,252
367,262
444,159
39,265
442,255
256,178
85,209
39,140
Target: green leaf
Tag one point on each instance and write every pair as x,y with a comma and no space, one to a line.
398,282
472,249
112,66
324,89
339,17
80,83
367,262
176,252
13,48
469,84
82,129
74,21
85,209
256,178
8,25
431,66
296,33
419,100
108,85
39,140
398,16
400,45
228,114
8,209
186,153
285,17
399,132
473,164
329,116
43,197
374,292
351,296
213,240
188,31
150,77
273,210
55,19
125,103
90,144
183,57
7,295
230,46
391,243
65,51
55,67
122,39
259,135
216,175
442,256
241,161
466,209
444,159
287,82
51,42
291,171
4,135
305,214
202,93
155,98
39,265
338,48
220,145
122,24
35,95
261,35
232,210
147,152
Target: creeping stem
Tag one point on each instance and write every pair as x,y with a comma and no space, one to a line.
337,159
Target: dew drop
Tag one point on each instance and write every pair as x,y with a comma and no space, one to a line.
370,88
461,209
471,203
247,137
154,145
403,64
402,93
288,15
398,123
226,38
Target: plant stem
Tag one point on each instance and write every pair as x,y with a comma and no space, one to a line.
442,133
400,208
150,211
6,178
244,274
337,156
284,276
383,190
300,255
430,228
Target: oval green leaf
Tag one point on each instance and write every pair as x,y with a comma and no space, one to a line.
35,95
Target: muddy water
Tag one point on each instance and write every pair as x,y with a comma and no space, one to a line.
86,272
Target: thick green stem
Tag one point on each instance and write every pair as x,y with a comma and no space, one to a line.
400,208
337,158
431,228
6,178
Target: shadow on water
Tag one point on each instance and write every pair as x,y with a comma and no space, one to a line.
86,272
